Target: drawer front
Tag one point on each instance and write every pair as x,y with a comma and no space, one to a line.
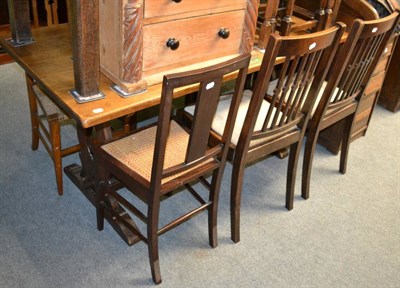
198,39
158,8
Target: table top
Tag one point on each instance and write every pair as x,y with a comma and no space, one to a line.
49,62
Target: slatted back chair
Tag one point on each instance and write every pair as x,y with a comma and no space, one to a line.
46,122
163,157
345,86
275,108
268,116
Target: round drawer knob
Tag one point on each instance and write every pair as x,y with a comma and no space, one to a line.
172,43
224,33
177,1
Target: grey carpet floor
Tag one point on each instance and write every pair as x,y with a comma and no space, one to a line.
346,235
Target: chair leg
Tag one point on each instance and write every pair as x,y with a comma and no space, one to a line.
311,143
152,238
100,217
291,174
346,144
34,113
54,125
236,191
130,123
35,134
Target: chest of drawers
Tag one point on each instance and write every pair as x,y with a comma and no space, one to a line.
141,40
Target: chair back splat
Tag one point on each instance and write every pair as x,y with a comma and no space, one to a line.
345,86
162,157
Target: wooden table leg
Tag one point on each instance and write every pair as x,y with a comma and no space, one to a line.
84,178
20,22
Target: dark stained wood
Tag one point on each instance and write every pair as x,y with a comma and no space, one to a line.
390,94
198,160
307,59
346,86
20,22
4,17
330,138
57,81
86,50
302,58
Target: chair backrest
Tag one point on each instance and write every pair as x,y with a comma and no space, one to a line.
323,11
356,62
210,80
305,62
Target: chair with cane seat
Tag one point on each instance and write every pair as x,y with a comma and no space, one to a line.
159,159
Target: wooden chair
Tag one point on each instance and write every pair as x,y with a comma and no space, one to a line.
52,9
345,87
46,121
163,157
268,117
292,16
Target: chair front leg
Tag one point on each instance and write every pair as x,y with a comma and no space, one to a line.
291,174
213,209
309,151
55,139
152,238
33,111
236,191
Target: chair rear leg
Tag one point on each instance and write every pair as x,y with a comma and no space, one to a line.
236,191
309,151
346,144
54,125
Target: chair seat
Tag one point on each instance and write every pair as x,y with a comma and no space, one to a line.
48,106
136,151
272,86
223,108
222,114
